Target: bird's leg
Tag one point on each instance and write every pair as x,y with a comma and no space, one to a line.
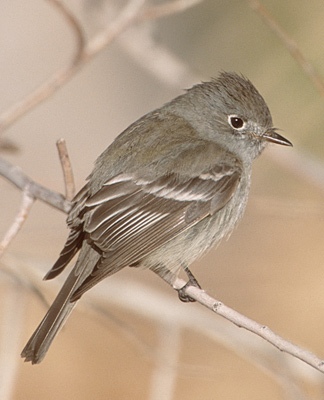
191,282
164,272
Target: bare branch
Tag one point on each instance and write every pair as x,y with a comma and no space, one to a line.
67,169
26,204
243,322
290,44
18,178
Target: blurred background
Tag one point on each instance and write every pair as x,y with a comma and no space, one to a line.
131,338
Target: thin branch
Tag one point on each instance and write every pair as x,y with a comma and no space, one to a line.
67,169
26,205
164,309
45,90
128,15
15,175
244,322
290,45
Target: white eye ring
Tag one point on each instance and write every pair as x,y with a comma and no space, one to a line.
236,122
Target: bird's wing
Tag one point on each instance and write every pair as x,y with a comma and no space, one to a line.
128,218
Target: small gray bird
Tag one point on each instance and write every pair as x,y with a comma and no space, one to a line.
168,188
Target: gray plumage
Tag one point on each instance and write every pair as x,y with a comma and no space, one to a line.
169,187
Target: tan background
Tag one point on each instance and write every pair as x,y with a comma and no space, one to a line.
270,270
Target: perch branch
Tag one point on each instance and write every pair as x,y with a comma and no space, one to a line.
243,322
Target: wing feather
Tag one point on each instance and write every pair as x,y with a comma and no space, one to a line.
147,215
130,216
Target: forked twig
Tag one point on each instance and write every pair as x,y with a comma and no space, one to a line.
15,175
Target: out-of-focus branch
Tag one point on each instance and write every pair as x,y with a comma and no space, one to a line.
242,321
83,54
290,45
131,13
15,175
157,59
168,8
45,90
67,169
26,204
128,15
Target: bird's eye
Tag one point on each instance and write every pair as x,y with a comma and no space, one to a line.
235,122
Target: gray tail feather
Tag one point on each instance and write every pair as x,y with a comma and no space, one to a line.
40,341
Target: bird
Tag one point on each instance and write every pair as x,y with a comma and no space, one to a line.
169,187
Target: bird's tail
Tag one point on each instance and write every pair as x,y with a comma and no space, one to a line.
40,341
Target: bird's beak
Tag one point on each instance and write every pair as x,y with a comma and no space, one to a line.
272,136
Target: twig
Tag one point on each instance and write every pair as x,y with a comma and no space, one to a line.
67,169
26,204
290,44
244,322
15,175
